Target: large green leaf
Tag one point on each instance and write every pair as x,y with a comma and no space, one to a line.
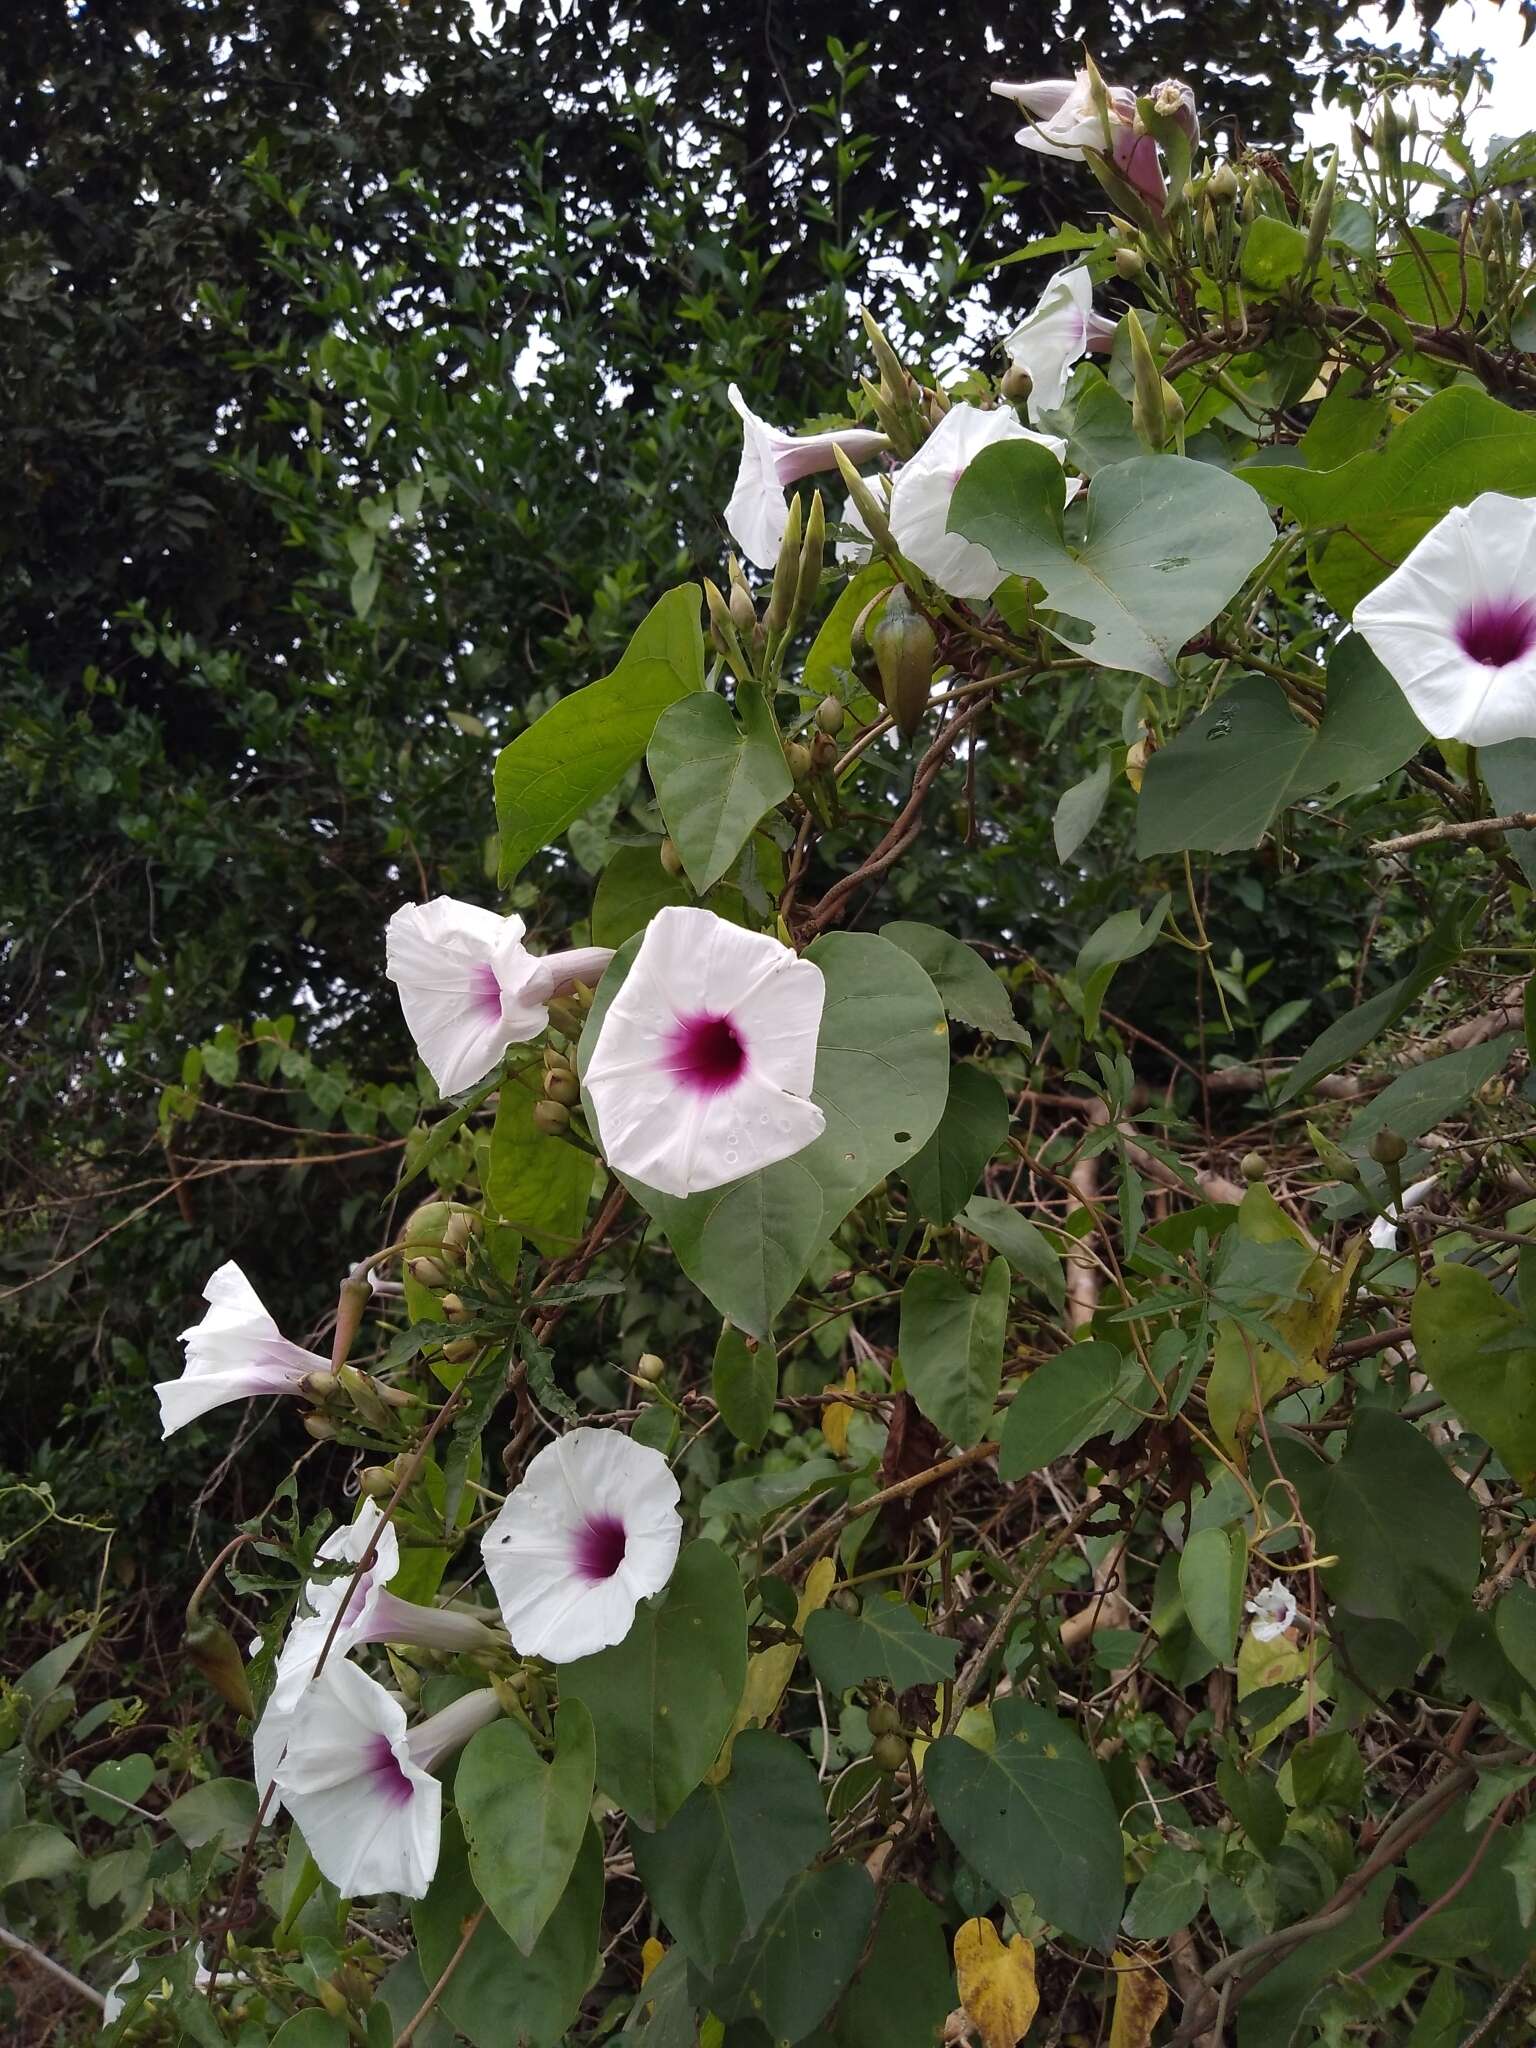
1022,1244
1480,1355
882,1074
1033,1814
496,1995
721,1861
548,775
1509,776
1212,1566
630,891
745,1385
970,990
1068,1399
1222,781
1404,1531
884,1639
1377,507
951,1344
791,1970
525,1819
974,1125
662,1700
906,1990
1425,1096
1166,543
538,1183
716,776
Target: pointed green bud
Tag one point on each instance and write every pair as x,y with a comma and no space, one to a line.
213,1651
812,555
786,574
1222,185
1333,1157
1322,213
797,758
1389,1147
904,647
1130,264
867,501
893,373
1149,415
364,1395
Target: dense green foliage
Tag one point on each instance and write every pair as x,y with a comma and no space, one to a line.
373,444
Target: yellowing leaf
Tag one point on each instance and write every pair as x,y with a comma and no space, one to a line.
769,1671
837,1415
1247,1375
997,1984
651,1953
1141,1997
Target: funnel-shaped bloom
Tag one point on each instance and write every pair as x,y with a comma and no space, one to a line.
704,1065
921,497
1064,122
1058,333
1383,1232
1455,624
370,1614
590,1532
1273,1611
757,514
236,1351
469,987
115,2001
356,1781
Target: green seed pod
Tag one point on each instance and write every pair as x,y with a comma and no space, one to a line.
830,715
1389,1147
904,647
883,1719
650,1368
1253,1167
798,758
459,1350
377,1482
551,1117
320,1386
890,1753
1130,264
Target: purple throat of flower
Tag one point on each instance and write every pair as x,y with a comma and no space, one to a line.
706,1054
485,997
1497,630
600,1546
387,1772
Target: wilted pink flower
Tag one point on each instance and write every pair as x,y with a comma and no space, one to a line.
1065,123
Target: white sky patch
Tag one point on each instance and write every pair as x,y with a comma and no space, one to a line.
1465,26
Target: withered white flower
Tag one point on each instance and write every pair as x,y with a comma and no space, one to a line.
705,1061
1273,1610
469,987
590,1531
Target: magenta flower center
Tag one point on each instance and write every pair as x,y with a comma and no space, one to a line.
600,1545
1497,630
485,999
387,1772
706,1054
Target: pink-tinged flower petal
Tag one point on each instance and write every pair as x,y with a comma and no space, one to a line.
1455,624
771,461
370,1816
468,986
921,499
236,1352
1135,157
1064,122
591,1530
706,1059
1274,1610
1048,341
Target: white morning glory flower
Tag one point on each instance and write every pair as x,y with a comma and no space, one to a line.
1383,1232
704,1064
1065,123
921,497
372,1615
235,1352
591,1530
357,1783
1058,333
1273,1610
771,461
114,2002
469,987
1455,624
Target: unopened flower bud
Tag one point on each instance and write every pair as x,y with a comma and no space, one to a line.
890,1753
798,759
213,1650
377,1482
562,1087
868,502
650,1368
429,1273
845,1600
743,611
331,1998
1017,384
1389,1147
320,1429
1222,185
904,646
722,628
1156,408
812,555
462,1226
830,715
671,859
823,751
362,1392
786,574
453,1308
1130,264
321,1386
551,1117
458,1350
1322,213
1253,1167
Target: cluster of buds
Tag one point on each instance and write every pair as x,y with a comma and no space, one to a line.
906,410
562,1090
747,642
